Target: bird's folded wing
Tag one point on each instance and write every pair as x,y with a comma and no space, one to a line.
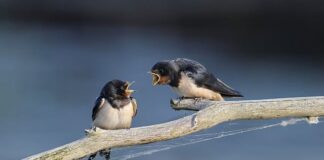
203,78
98,105
134,104
219,86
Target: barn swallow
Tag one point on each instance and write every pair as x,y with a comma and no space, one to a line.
114,109
190,79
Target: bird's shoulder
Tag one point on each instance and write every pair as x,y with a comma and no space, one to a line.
100,101
191,68
188,65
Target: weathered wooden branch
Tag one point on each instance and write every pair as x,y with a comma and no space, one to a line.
211,113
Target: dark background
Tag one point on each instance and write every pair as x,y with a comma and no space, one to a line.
56,55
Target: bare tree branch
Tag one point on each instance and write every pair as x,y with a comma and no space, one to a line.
211,113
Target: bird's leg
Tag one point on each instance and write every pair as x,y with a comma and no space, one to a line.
197,99
91,130
182,98
94,130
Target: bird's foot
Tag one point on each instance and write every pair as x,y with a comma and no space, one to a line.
182,98
177,102
89,131
94,130
198,99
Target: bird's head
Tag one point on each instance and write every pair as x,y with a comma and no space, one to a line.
117,89
162,73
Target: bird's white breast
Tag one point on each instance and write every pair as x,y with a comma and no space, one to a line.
113,118
188,88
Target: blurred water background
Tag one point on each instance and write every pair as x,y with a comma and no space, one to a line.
55,57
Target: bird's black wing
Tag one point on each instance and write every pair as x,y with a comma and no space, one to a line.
98,104
190,66
208,80
134,104
203,78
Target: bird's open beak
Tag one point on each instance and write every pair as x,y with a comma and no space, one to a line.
155,78
128,91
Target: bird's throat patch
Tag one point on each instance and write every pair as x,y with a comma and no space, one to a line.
164,80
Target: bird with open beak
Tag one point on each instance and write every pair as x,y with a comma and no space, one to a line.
190,79
114,109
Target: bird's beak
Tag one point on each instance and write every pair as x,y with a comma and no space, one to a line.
155,78
128,91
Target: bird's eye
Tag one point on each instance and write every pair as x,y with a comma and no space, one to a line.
122,87
162,71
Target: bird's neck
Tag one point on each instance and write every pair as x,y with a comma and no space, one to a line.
175,79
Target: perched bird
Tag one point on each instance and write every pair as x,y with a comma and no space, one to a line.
114,109
190,79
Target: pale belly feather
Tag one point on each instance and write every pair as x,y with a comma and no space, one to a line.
113,118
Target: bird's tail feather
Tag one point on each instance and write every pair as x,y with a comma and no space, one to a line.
92,156
104,153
